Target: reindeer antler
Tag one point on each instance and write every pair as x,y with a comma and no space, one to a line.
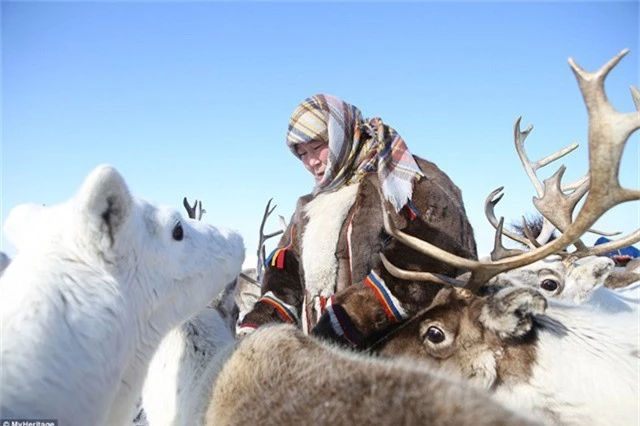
263,238
609,131
489,205
554,201
196,211
531,167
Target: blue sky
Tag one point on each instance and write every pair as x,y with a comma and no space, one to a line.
193,99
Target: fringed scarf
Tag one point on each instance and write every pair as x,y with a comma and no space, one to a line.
356,146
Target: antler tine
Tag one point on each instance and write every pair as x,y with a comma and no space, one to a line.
499,251
489,205
610,246
201,211
191,211
530,167
609,131
584,180
264,237
419,276
283,223
527,232
558,207
635,94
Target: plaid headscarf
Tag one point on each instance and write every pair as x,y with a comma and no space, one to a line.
356,146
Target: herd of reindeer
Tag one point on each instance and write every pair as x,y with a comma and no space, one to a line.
545,334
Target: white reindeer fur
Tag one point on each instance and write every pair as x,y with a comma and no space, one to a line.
85,304
586,365
181,374
586,370
626,299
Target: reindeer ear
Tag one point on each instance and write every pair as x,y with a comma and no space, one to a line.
509,312
104,203
593,269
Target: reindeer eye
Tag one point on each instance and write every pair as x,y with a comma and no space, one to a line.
434,335
549,285
178,232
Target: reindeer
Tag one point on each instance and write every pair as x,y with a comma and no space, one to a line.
89,296
280,376
171,390
565,364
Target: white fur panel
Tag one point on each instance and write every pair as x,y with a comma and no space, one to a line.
326,214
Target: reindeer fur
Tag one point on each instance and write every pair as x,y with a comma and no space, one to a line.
279,376
181,374
570,365
86,302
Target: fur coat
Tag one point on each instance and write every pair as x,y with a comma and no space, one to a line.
333,243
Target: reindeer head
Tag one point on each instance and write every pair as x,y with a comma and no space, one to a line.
472,336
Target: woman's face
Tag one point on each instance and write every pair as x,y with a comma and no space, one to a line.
314,157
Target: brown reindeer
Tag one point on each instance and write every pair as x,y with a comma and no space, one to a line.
279,376
564,365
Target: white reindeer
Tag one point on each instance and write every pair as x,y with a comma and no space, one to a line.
88,298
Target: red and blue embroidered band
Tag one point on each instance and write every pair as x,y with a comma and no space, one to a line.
285,311
390,304
276,258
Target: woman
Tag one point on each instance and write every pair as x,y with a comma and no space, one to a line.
362,168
